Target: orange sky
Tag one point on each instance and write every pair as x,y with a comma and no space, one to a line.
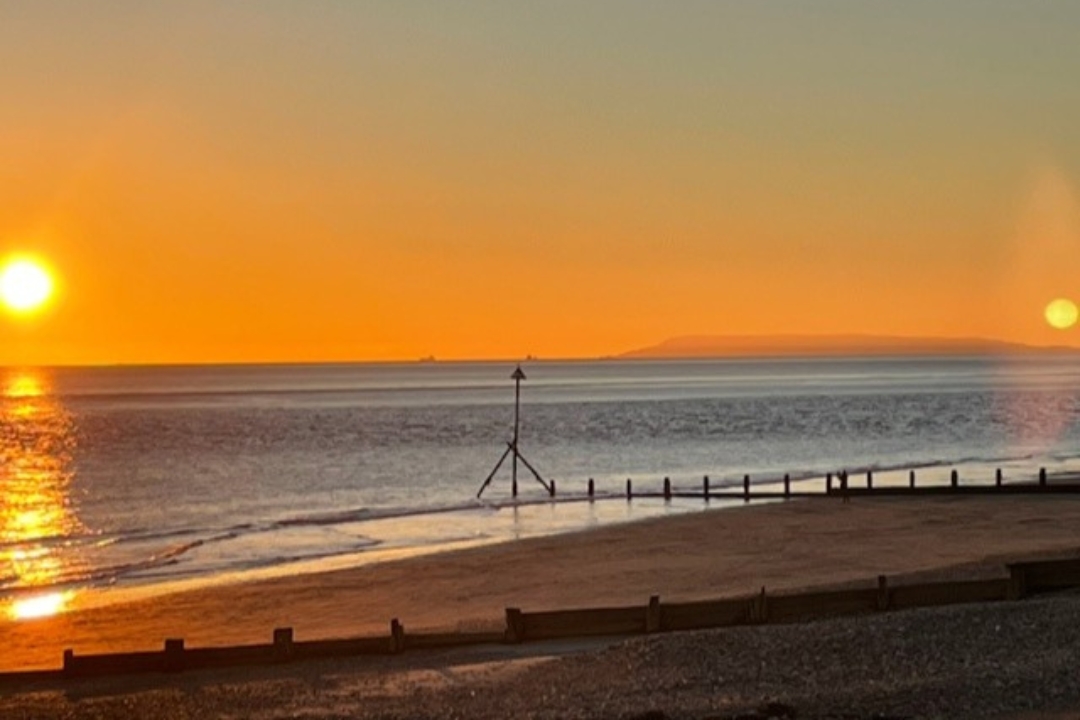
337,181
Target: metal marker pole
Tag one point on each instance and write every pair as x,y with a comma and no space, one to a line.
518,376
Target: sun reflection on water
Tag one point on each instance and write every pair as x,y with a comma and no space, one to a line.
37,439
40,606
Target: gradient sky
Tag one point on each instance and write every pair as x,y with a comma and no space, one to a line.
314,180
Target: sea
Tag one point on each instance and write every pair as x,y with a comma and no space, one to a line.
121,482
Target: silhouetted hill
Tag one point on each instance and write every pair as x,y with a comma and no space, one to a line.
699,346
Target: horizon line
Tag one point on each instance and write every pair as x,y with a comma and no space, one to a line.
1016,350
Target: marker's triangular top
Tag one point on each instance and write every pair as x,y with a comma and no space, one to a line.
518,374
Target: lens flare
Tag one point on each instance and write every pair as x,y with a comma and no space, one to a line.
1061,313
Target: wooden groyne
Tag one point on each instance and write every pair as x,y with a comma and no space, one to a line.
837,485
1024,579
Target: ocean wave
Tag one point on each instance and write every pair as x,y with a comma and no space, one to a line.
340,517
173,571
172,556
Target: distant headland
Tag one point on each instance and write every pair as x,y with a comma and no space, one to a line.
711,346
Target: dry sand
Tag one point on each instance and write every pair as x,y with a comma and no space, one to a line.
703,555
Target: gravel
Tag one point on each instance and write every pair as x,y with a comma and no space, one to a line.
973,661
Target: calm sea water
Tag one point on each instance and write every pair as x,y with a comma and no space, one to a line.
116,479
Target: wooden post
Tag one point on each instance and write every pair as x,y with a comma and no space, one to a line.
882,593
174,655
551,487
283,643
761,612
746,487
69,662
869,479
1042,477
629,494
828,483
592,489
998,477
843,484
397,636
911,479
705,488
515,626
652,615
1017,583
787,485
667,488
954,478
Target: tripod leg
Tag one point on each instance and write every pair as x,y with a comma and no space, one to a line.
535,474
494,470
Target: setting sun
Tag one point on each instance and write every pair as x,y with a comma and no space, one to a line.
25,285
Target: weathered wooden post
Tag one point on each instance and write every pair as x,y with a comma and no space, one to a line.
746,488
1042,477
869,479
174,655
787,485
652,615
551,487
1017,582
69,662
998,478
629,492
911,479
759,611
843,484
283,643
828,483
954,479
705,488
882,593
592,489
667,488
515,626
397,636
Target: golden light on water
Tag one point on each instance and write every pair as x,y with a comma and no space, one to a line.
37,439
25,284
40,606
23,385
1061,313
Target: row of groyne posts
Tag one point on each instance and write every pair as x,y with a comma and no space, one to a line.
838,484
1024,579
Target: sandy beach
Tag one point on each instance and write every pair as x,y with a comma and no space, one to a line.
1012,661
696,556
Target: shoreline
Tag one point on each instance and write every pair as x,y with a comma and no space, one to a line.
700,555
393,535
582,516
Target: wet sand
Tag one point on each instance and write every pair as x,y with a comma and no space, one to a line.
695,556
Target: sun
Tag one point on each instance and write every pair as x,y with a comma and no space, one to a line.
1061,313
25,285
